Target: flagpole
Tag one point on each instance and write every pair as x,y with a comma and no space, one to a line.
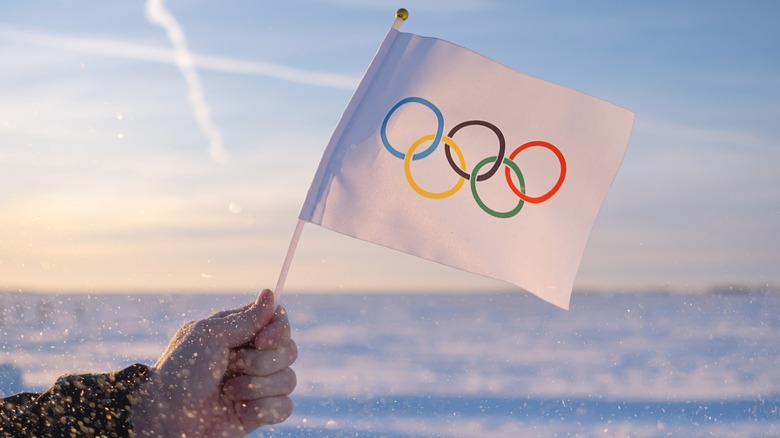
400,16
288,260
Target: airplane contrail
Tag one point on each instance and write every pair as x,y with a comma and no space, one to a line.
157,14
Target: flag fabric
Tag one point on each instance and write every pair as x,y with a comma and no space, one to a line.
447,155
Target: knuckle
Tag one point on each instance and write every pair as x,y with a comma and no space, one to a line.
268,411
200,326
285,408
291,380
293,351
278,410
241,362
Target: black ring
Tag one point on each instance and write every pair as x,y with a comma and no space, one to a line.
499,157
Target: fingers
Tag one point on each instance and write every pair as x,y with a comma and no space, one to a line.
246,387
235,329
262,412
263,362
276,333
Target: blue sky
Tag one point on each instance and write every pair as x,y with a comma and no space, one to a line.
110,183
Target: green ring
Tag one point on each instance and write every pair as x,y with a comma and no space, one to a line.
481,204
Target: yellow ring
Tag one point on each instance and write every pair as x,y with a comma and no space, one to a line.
408,168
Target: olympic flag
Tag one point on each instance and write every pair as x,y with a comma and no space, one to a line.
452,157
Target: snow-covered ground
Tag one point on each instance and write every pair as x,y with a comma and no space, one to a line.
456,365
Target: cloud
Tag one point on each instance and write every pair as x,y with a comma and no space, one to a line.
102,46
697,135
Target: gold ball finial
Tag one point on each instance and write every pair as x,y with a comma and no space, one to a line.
402,13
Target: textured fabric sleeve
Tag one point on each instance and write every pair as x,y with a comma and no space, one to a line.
90,405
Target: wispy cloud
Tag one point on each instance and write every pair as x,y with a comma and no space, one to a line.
697,135
102,46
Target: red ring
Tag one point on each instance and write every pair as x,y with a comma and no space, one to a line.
546,196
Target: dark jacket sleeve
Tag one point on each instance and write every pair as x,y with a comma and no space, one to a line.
84,405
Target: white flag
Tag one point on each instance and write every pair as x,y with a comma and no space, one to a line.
452,157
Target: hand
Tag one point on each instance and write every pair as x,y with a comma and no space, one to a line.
222,376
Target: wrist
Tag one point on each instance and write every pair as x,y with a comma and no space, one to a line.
149,407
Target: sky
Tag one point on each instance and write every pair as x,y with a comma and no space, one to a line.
167,146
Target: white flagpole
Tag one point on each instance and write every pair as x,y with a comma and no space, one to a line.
400,16
288,260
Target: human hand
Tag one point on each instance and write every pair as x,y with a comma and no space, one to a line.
223,376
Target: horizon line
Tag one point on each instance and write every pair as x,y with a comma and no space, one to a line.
716,289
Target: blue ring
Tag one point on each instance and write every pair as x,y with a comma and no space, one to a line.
436,139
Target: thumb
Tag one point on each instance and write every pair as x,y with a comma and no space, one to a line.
239,328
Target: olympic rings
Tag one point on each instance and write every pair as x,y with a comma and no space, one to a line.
460,168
